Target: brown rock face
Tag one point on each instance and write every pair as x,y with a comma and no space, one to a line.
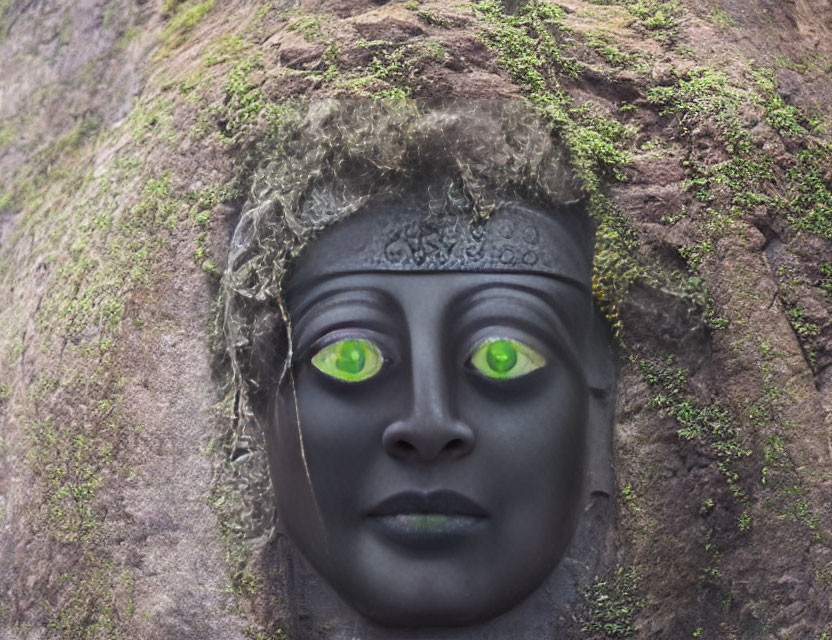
129,134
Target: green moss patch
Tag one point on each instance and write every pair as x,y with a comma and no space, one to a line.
612,605
709,425
660,18
528,47
184,17
809,196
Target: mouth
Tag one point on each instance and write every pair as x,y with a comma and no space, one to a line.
433,520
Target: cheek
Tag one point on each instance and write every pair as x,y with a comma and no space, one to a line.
561,436
342,435
535,444
531,456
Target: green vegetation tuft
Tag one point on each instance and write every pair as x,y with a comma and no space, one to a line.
744,521
393,71
264,10
309,25
706,93
527,42
659,17
597,146
749,180
229,47
92,287
825,282
5,5
432,19
185,16
609,51
528,48
613,605
804,330
710,425
801,327
202,204
71,460
694,254
7,134
243,99
92,612
783,118
720,18
629,498
151,121
711,572
809,199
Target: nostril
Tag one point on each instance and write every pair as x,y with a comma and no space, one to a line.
403,446
456,446
443,439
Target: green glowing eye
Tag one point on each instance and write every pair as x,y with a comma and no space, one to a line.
349,360
502,359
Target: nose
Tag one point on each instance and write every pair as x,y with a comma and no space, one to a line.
415,438
429,432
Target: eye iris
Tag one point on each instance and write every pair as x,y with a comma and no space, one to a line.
351,358
501,356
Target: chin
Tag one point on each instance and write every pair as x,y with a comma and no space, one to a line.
423,611
441,598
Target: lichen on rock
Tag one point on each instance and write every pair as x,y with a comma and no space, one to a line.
129,138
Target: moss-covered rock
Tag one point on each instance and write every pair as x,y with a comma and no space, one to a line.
700,133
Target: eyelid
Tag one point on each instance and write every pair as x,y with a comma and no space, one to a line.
349,332
495,337
492,337
517,333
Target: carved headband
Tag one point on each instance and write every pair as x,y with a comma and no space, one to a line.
519,238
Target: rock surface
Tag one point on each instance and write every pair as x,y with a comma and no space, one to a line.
128,136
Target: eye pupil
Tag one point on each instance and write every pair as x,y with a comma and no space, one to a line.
501,356
351,358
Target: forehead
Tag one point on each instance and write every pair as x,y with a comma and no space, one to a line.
407,236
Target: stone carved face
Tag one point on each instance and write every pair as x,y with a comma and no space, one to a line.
427,450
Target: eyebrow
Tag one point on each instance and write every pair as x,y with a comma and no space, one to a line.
475,296
472,294
373,297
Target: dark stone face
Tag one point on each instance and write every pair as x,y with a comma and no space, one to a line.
427,450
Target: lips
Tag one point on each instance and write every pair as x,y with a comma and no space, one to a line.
428,521
448,503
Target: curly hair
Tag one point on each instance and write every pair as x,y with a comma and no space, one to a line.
330,159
